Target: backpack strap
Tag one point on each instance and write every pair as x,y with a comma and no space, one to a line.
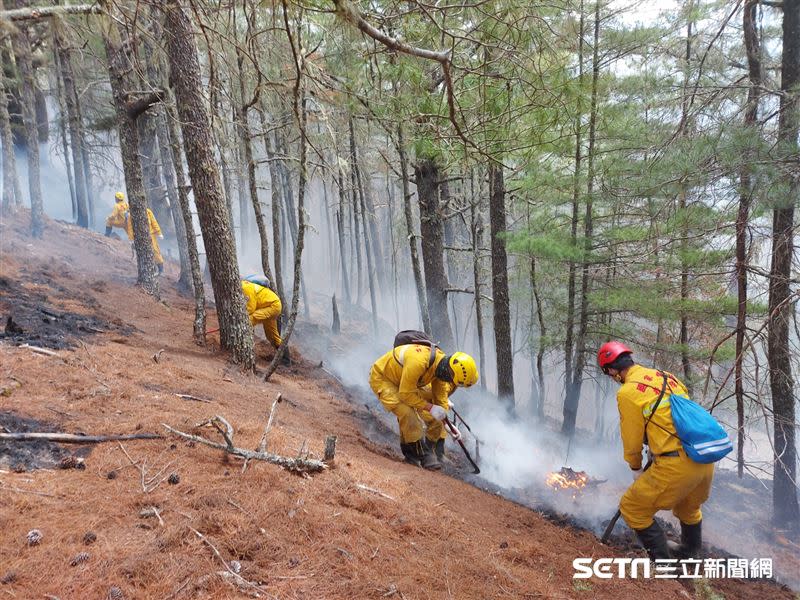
655,406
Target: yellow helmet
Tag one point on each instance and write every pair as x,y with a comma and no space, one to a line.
119,196
465,371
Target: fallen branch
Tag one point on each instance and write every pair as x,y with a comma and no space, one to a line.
190,397
301,465
42,12
21,491
262,445
238,579
361,486
71,438
157,356
42,351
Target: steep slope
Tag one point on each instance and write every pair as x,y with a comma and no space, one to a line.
369,527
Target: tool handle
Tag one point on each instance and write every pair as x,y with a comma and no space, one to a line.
212,331
615,518
460,418
464,448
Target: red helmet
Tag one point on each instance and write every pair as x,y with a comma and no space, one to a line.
610,351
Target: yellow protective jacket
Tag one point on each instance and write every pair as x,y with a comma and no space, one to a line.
118,216
155,230
407,368
635,400
261,302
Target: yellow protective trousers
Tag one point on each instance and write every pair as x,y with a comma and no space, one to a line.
412,422
674,483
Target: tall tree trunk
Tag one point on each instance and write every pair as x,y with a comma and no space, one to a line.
22,50
412,237
65,143
538,367
154,188
356,211
119,65
426,173
66,74
568,423
752,45
784,490
502,312
173,137
576,383
10,179
275,198
340,229
368,209
476,230
236,334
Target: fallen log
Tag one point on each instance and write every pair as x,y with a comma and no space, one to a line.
71,438
300,465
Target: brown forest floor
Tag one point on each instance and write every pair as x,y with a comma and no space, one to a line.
317,537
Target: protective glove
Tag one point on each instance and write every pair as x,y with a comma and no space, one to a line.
452,405
161,236
454,432
437,412
108,231
636,473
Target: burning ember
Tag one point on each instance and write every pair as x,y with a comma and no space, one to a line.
567,479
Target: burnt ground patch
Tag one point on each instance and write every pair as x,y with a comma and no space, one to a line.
30,455
28,317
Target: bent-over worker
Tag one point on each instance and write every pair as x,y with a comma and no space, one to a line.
416,389
264,306
120,217
674,481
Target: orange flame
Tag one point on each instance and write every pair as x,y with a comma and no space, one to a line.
567,479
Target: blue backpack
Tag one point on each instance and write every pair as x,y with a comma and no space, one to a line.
703,439
259,280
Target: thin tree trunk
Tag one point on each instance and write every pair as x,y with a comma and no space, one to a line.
275,197
567,425
301,117
340,229
784,492
356,211
426,173
62,118
119,64
574,390
539,367
66,73
412,237
11,195
752,45
171,120
476,229
236,334
502,312
367,249
22,50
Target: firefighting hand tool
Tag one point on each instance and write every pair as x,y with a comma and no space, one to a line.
464,448
453,431
615,518
459,418
212,331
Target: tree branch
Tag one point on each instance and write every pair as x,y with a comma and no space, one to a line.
42,12
137,107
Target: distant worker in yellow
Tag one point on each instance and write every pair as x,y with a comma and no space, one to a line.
120,217
264,306
414,381
674,481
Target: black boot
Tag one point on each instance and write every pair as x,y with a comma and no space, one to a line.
654,541
429,460
108,231
411,454
691,542
438,448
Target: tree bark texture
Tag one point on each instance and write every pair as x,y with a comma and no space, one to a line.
185,78
67,76
11,194
786,512
476,230
426,173
22,51
752,45
119,65
412,237
502,311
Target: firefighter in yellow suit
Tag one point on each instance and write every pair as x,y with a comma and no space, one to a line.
264,306
120,217
674,481
416,390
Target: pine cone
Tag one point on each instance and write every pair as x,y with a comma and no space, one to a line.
78,559
114,593
34,537
90,537
9,577
174,479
